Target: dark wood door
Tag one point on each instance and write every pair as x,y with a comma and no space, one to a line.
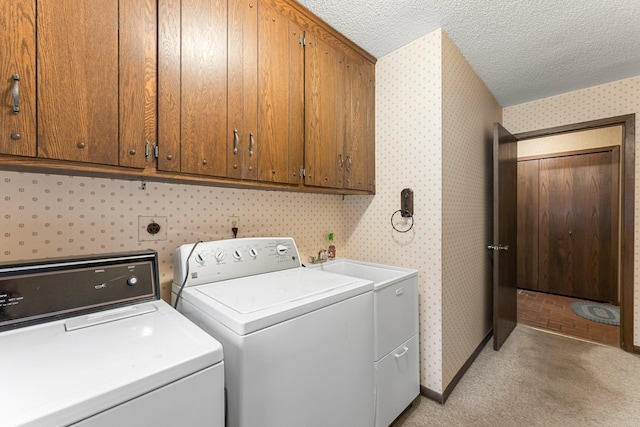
578,226
505,200
528,224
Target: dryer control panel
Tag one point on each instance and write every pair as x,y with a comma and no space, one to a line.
44,290
208,262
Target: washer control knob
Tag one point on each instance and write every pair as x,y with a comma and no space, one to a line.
199,258
281,249
237,254
253,253
132,281
220,256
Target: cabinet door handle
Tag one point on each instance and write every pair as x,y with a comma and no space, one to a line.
349,163
252,143
402,353
236,141
340,161
15,91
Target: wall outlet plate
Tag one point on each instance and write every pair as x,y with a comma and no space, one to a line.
152,228
233,221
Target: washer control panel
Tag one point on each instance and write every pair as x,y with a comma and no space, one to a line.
213,261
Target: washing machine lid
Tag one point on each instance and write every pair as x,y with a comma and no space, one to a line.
61,372
248,304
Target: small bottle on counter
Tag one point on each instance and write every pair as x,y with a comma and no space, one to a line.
331,251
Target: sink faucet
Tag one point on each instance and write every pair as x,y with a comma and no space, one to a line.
322,257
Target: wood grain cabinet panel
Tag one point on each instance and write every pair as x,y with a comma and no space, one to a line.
203,94
339,140
242,123
326,111
239,93
92,100
359,170
280,97
18,77
192,87
266,84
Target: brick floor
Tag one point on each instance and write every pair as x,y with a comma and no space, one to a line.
553,313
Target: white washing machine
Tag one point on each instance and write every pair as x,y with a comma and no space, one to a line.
87,342
298,342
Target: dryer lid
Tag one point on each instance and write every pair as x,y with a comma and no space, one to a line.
248,304
55,375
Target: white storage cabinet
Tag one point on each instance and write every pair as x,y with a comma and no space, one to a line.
396,358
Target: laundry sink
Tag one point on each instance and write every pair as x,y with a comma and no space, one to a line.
395,332
381,275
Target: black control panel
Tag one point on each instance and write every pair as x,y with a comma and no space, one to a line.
43,290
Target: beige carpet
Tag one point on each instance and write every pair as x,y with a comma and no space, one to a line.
540,379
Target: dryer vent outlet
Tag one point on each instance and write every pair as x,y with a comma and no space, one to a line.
152,228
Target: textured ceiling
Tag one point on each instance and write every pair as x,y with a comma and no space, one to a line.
522,49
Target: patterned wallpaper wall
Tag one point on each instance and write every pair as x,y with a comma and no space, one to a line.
469,110
436,147
408,155
53,215
608,100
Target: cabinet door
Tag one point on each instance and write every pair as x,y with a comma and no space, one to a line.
137,85
359,142
203,80
280,138
370,127
325,109
78,80
169,20
18,71
242,124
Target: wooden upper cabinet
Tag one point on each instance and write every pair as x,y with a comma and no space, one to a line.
92,100
192,86
138,65
258,91
280,139
18,78
326,111
203,96
340,140
266,94
242,121
360,139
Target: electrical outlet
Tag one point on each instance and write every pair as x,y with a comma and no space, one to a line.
233,225
233,221
152,228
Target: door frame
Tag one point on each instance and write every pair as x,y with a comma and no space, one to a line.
627,212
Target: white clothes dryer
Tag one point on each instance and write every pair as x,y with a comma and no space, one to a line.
87,342
298,342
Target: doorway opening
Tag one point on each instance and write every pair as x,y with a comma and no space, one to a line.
553,313
621,268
